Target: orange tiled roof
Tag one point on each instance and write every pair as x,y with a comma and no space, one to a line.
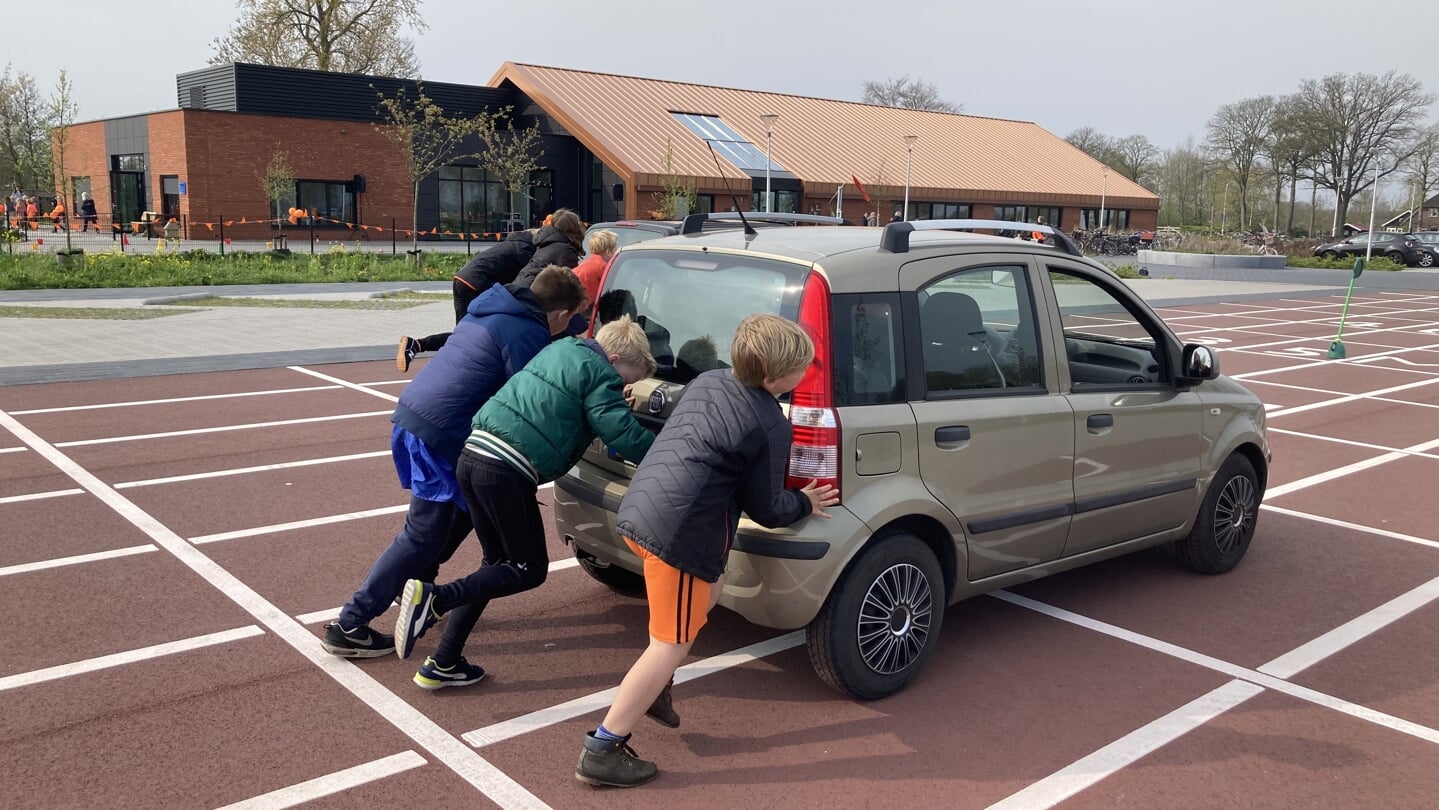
626,121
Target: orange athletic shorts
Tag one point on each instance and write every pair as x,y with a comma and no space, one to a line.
679,602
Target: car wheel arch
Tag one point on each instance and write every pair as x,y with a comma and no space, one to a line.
934,535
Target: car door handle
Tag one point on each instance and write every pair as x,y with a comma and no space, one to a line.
1099,421
953,434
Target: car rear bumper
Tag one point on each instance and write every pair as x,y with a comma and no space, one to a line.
775,578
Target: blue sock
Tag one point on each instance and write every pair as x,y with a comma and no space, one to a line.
605,734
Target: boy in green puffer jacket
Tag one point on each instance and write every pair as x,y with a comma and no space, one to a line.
530,432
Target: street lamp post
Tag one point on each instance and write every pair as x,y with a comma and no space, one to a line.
1104,198
1224,214
768,119
1373,204
908,159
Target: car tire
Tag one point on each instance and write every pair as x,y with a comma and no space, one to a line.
1226,521
617,579
1396,257
881,622
1330,255
1426,259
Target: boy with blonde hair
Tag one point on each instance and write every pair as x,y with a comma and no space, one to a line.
724,450
529,433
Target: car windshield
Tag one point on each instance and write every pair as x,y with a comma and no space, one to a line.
689,303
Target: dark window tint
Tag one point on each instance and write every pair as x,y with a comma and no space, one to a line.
689,303
869,359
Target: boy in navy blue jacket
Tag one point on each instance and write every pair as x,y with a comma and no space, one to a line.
724,450
504,328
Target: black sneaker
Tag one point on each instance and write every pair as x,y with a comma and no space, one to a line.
612,763
417,614
405,354
662,711
361,642
434,676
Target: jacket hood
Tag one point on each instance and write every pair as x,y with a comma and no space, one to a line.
508,300
550,235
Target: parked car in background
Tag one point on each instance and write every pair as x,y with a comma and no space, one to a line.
629,232
1400,248
990,411
1429,244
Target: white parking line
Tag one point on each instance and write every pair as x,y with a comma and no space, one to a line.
128,657
332,783
346,383
1349,442
1314,406
60,562
1351,632
581,706
105,406
1348,469
299,524
284,465
222,429
1344,524
453,753
1125,751
40,496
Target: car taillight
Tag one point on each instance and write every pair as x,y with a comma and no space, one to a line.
814,454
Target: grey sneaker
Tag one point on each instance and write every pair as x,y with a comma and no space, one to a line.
603,762
663,709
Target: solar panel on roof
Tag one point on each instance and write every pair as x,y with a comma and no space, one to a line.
731,145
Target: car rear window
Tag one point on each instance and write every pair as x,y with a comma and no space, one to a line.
689,303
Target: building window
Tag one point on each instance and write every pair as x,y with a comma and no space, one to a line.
330,202
1010,213
936,210
1118,219
1431,213
470,202
1051,215
704,204
785,202
128,163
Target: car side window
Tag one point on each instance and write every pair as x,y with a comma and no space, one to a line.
977,333
866,330
1105,343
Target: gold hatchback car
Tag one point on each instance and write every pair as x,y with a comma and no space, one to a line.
991,410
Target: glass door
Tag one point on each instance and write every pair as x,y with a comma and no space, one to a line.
127,197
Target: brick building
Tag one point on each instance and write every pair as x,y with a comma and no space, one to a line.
610,145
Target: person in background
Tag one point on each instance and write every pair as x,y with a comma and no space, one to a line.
559,242
603,247
88,216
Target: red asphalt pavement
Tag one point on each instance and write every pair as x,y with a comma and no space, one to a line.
172,547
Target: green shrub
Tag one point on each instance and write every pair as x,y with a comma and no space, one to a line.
1375,263
39,270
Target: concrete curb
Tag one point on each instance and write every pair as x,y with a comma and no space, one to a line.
1212,260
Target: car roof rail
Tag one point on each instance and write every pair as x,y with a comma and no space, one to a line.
895,237
694,223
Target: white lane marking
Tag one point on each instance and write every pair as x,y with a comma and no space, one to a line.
1344,524
456,755
334,612
1356,397
332,783
601,700
1125,751
128,657
1348,469
298,524
39,496
1350,442
59,562
132,403
1374,359
285,465
1306,655
13,449
346,383
222,429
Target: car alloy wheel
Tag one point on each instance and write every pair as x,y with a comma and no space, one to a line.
894,619
1426,259
1234,513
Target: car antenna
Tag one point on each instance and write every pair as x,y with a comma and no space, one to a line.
748,231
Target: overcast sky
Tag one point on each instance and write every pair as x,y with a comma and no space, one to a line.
1121,66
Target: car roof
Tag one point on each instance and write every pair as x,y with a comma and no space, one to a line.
826,244
662,226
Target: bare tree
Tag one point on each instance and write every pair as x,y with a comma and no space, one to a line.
344,36
62,115
509,154
1287,152
1423,169
25,158
426,139
1237,135
914,94
278,182
1134,157
1357,122
1092,142
1185,173
676,198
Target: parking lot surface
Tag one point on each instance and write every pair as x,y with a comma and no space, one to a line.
173,546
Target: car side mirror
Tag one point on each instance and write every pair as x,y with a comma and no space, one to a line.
1198,363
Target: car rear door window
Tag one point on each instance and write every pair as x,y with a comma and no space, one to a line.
690,302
